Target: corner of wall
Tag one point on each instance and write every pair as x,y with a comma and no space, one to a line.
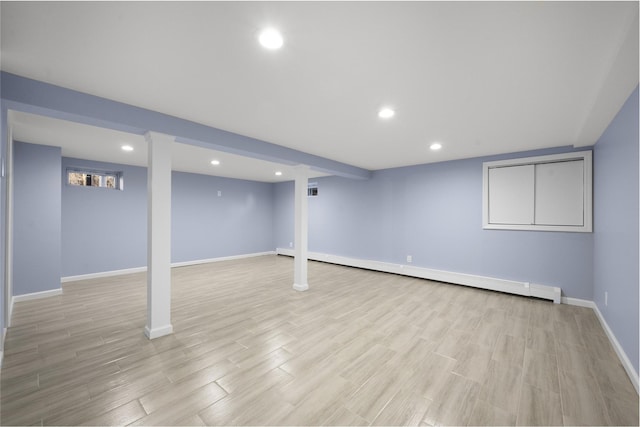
616,158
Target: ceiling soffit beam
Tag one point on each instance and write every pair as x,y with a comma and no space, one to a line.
36,97
617,83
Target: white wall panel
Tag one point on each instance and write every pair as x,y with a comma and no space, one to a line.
511,192
560,193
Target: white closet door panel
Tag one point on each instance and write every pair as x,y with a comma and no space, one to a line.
560,193
511,191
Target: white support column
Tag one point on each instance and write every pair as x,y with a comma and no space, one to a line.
158,235
301,228
8,234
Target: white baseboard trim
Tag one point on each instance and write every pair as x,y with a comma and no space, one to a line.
102,274
224,258
112,273
10,317
622,355
4,334
491,283
301,287
579,302
36,295
624,359
158,332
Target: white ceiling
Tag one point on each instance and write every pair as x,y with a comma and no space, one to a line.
82,141
480,77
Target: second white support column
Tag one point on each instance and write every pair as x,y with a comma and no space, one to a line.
158,235
301,228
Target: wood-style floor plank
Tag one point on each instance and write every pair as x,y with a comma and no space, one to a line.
358,348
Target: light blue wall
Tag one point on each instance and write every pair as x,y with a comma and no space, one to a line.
36,221
283,214
616,230
433,212
103,229
207,226
106,230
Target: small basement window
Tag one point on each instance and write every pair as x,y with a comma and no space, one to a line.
93,178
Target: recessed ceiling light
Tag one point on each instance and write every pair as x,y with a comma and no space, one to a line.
127,148
278,173
271,38
435,146
215,162
386,113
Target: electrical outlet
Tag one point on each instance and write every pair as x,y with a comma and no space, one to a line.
409,258
606,298
290,244
219,193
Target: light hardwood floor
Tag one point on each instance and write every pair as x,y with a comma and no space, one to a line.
358,348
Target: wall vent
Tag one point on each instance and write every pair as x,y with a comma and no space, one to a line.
312,189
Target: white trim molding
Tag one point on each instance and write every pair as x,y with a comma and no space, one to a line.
4,334
491,283
219,259
622,355
158,332
102,274
578,302
624,359
11,302
112,273
587,192
36,295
